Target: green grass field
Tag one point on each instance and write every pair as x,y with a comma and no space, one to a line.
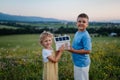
20,59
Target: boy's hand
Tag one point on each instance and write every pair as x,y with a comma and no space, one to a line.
70,49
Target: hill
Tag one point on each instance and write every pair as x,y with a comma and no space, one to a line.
8,17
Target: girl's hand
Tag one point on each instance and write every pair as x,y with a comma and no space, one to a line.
61,49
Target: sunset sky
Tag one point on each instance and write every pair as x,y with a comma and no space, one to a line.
97,10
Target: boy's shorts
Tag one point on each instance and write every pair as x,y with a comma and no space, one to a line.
81,73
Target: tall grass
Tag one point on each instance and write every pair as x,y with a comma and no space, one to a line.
20,59
105,59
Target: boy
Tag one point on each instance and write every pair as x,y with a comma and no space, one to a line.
81,47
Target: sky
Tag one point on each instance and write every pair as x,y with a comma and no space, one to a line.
97,10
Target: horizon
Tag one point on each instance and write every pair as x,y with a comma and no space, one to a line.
112,21
97,10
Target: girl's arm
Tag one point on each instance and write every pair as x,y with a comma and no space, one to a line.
58,55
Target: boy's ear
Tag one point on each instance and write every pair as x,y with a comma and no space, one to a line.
87,23
76,23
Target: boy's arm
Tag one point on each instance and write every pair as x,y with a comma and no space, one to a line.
87,46
81,51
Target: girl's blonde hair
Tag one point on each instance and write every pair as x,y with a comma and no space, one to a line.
45,34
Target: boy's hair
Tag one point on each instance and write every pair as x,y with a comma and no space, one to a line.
45,34
83,15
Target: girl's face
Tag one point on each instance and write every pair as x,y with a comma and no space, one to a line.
82,23
47,42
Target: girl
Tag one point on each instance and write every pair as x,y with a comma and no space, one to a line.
50,58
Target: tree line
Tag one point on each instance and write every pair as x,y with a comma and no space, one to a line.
103,29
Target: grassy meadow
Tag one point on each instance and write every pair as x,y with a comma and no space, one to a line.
20,59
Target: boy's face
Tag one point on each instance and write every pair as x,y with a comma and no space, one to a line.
82,23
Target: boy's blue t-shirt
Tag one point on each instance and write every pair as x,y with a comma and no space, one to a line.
81,40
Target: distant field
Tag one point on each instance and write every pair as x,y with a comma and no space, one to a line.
7,27
40,25
20,59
